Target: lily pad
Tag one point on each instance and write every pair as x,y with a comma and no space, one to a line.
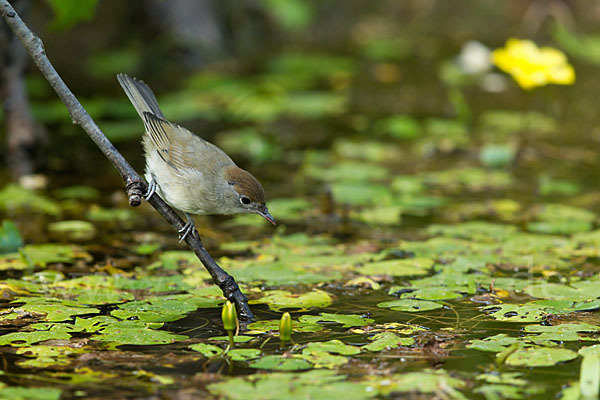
402,267
388,340
539,356
410,305
317,384
347,320
282,299
282,363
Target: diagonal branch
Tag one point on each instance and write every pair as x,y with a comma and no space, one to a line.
135,186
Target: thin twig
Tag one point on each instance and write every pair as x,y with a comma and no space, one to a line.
135,186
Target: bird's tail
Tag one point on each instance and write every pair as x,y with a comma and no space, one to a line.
140,95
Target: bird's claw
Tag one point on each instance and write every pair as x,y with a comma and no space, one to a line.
151,190
186,230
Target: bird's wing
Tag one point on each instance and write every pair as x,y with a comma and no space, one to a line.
182,149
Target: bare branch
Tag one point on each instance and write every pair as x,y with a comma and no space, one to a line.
135,186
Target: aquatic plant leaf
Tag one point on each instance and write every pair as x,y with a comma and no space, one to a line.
272,326
410,305
163,308
334,346
478,231
10,238
561,219
206,349
55,310
73,230
282,299
244,354
496,343
134,333
400,267
316,384
539,356
387,340
30,393
16,199
516,313
18,339
347,320
562,332
282,363
45,356
427,381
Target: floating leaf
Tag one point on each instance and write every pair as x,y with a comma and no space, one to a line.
273,326
30,393
387,340
281,363
281,299
402,267
517,313
207,350
73,230
10,238
14,198
317,384
539,356
347,320
496,343
410,305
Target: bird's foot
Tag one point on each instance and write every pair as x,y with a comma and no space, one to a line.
151,190
187,228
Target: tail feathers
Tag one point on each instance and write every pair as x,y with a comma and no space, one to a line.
140,95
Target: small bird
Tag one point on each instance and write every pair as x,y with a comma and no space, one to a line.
189,173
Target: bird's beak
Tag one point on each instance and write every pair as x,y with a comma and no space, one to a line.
263,212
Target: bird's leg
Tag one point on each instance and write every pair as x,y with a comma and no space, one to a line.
187,228
151,189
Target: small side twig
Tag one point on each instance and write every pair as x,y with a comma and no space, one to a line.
135,185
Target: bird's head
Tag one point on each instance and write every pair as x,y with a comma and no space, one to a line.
245,194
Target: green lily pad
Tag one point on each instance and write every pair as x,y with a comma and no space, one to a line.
516,312
539,356
387,340
273,326
134,333
427,381
30,393
46,356
316,384
347,320
281,363
244,354
281,299
332,346
402,267
496,343
562,332
10,238
207,350
17,339
410,305
16,199
163,308
562,219
73,230
474,230
55,310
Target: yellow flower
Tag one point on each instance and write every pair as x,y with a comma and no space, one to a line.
533,66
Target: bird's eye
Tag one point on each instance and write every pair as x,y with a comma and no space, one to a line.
244,200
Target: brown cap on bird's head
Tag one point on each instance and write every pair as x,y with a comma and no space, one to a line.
246,184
